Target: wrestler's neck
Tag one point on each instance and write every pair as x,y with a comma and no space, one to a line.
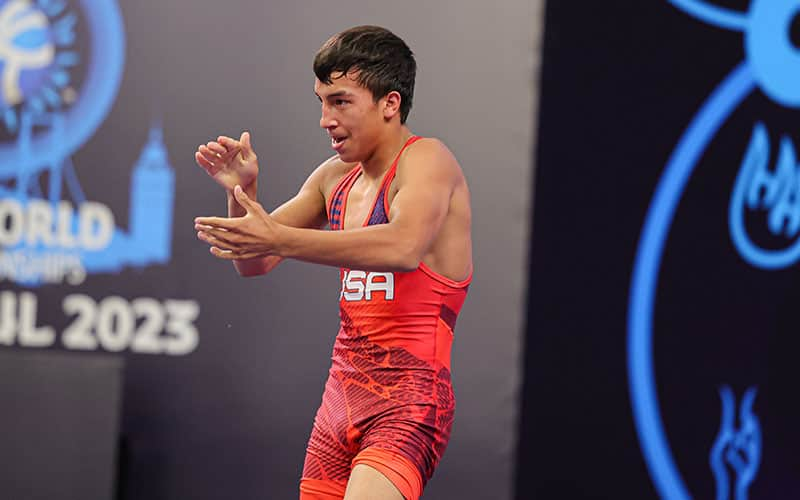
387,148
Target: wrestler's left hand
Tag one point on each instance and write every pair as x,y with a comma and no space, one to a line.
255,234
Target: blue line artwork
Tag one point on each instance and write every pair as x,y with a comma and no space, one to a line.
737,450
776,191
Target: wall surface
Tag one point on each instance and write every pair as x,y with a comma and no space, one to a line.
223,375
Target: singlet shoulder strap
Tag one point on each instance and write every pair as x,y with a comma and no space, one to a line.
338,195
393,169
390,175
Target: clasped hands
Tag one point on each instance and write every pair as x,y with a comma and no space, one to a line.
251,236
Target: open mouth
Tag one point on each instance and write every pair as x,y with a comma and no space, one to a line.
337,142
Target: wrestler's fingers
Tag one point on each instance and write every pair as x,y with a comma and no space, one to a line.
228,142
217,222
230,154
230,237
232,255
216,241
203,162
210,155
221,254
216,147
231,146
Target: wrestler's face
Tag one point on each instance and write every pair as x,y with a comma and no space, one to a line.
350,116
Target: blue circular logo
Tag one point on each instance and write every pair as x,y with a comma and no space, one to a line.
44,44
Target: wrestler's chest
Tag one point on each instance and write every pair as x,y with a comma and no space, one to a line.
360,204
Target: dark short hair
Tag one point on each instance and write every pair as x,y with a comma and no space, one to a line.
382,59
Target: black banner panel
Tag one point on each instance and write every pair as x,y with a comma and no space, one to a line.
60,420
661,352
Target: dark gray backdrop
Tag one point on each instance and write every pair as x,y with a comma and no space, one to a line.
231,419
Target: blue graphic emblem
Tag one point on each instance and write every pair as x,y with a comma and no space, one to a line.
736,449
61,65
776,191
772,65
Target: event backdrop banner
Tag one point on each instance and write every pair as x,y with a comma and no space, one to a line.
102,106
662,331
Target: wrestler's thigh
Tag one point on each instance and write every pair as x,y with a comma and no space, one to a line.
367,483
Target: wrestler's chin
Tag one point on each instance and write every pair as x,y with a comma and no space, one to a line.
348,156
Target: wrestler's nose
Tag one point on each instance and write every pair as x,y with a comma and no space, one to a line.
327,121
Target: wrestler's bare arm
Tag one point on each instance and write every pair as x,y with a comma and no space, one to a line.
417,213
305,210
230,163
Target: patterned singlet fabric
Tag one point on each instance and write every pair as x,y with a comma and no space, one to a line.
389,382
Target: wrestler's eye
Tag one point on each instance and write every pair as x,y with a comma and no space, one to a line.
340,102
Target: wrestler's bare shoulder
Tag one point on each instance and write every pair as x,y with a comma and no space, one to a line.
330,172
431,153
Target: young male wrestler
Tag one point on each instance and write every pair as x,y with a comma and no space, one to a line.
399,216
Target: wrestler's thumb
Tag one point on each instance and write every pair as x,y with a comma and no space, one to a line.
247,149
242,197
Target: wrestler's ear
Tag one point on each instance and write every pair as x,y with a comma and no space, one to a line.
391,104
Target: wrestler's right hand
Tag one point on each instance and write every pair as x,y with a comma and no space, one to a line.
228,161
